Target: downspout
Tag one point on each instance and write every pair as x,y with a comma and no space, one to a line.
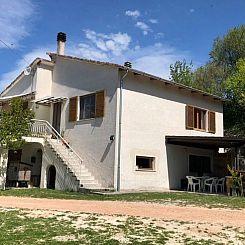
120,130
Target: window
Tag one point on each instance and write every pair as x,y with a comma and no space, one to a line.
200,119
199,164
87,106
145,163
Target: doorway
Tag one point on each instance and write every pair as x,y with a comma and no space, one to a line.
56,116
51,177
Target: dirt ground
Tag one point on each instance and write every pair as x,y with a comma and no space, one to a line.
141,209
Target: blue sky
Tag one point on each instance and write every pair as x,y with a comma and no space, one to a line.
151,34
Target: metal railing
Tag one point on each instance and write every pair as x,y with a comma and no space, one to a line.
43,129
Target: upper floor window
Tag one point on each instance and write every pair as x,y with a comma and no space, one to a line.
87,106
200,119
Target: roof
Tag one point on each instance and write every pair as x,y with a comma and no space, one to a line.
49,100
35,62
7,98
137,72
205,141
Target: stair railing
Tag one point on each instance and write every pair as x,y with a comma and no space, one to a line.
43,129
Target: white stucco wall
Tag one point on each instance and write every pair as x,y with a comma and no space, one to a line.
3,166
24,85
44,81
152,110
64,180
90,137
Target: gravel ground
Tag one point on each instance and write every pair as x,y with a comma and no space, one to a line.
142,209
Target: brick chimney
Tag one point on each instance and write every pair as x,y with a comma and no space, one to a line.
61,39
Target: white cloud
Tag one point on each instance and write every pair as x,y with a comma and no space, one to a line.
14,20
154,59
143,26
192,10
114,47
21,64
135,14
153,21
114,43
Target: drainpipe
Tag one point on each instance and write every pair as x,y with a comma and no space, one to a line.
120,130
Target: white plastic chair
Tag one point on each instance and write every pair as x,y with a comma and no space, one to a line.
193,183
220,183
210,183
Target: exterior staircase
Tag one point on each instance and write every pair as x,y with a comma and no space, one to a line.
66,154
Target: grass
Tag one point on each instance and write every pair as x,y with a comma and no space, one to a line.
45,227
179,198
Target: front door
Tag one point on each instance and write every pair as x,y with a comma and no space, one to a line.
56,116
51,177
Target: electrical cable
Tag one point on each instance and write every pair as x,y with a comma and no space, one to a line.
5,44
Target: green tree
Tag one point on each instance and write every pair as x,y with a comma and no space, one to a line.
14,124
227,50
210,78
234,110
181,72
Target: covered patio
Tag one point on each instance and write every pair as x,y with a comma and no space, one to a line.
203,158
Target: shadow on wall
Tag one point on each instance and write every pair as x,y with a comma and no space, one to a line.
177,162
64,180
107,149
94,122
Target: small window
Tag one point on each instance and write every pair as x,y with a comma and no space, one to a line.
199,119
87,106
145,163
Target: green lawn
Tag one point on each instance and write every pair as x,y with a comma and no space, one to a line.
179,198
45,227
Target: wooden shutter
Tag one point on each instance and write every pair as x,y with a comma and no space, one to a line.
73,109
99,103
189,116
211,122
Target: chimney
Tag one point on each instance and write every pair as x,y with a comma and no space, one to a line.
61,39
128,64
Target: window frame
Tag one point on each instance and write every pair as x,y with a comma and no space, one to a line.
79,107
199,111
209,119
150,169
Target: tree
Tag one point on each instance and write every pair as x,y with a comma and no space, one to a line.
229,49
181,72
210,78
234,110
14,124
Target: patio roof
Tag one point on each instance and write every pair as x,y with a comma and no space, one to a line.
49,100
206,142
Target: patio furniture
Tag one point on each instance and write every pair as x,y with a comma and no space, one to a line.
220,183
210,183
202,179
193,182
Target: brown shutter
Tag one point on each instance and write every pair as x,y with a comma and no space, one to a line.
211,122
73,109
189,117
100,103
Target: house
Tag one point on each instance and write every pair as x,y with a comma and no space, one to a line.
106,126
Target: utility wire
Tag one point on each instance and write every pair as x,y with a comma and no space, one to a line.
14,51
